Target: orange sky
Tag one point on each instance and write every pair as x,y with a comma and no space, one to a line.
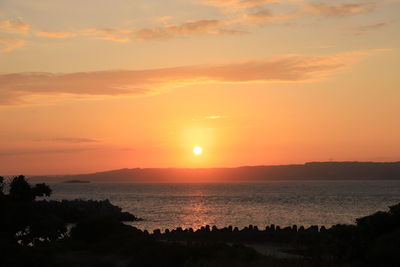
88,87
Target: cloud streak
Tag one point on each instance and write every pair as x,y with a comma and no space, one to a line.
209,117
59,35
109,34
213,27
247,13
72,140
372,27
14,26
8,44
164,32
238,4
341,10
21,87
266,16
9,153
263,16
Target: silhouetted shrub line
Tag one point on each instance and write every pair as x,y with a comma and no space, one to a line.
28,222
34,233
74,210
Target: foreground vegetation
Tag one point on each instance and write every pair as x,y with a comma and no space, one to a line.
92,233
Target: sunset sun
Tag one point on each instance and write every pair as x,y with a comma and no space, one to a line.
197,150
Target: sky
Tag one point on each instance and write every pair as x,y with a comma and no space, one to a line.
94,85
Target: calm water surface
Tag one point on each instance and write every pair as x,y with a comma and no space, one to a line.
282,203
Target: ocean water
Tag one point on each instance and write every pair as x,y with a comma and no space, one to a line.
286,203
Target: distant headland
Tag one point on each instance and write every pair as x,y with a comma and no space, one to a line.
76,182
319,171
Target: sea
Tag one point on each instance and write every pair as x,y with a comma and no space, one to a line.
283,203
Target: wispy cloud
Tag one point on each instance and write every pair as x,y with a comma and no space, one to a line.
73,140
329,9
209,117
14,26
109,34
247,13
263,16
371,27
163,18
19,152
165,31
19,87
8,44
213,27
238,4
256,11
266,16
341,10
51,34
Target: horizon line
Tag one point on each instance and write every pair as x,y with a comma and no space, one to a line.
194,168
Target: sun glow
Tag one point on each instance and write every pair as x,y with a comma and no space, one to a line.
197,150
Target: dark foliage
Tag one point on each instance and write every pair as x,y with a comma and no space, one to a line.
28,222
22,224
21,190
75,210
34,233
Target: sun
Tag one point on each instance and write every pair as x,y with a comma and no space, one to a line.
197,150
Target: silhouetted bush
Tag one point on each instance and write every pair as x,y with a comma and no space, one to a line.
34,233
29,222
75,210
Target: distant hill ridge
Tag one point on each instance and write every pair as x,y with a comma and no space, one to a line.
307,171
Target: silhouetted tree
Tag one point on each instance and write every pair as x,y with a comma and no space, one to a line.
29,221
21,190
23,223
1,186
